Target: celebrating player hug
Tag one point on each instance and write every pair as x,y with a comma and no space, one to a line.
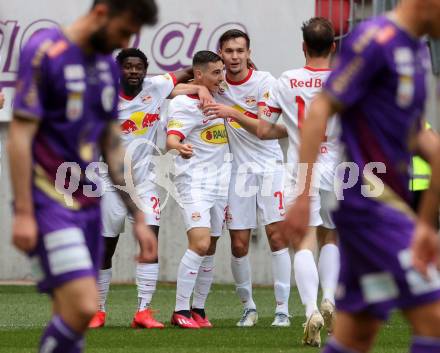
101,130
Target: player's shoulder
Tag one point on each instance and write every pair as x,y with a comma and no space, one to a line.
46,42
372,35
184,102
262,75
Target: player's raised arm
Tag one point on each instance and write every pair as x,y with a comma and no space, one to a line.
114,153
188,88
21,134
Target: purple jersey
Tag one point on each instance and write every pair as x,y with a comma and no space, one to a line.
74,96
379,80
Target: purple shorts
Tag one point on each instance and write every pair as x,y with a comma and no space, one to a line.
376,273
69,246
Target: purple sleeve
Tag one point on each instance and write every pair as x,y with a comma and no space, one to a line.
359,62
116,72
28,102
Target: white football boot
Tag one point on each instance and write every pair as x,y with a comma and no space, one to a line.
312,330
328,313
281,320
249,318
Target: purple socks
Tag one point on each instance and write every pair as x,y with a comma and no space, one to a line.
60,338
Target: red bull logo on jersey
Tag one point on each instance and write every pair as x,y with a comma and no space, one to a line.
215,134
313,82
138,123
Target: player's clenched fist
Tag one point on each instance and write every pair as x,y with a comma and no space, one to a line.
24,232
185,150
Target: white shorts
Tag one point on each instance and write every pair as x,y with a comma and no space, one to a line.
328,204
207,214
321,207
253,195
113,211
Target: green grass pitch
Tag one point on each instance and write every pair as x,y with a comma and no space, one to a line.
23,314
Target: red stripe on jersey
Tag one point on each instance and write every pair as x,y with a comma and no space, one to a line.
173,76
261,104
236,83
250,115
315,69
193,96
177,133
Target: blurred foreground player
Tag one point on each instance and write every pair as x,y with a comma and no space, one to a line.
378,85
65,106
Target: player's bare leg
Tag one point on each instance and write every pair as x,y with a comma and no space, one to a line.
241,271
74,305
281,272
353,333
199,241
147,275
425,323
328,269
307,281
202,286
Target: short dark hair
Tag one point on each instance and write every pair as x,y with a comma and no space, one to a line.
204,57
131,52
319,36
142,11
232,34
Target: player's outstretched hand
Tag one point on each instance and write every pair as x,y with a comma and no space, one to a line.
147,240
205,97
296,224
425,247
24,232
186,150
216,110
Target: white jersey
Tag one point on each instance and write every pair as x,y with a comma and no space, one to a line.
139,119
204,176
246,147
292,95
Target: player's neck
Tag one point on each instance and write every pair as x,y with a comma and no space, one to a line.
318,63
130,91
237,77
408,19
79,33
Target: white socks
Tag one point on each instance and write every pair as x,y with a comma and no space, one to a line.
307,279
186,278
241,271
328,267
146,280
281,270
104,279
203,282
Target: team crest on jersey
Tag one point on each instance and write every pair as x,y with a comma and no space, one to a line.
147,99
251,101
196,216
75,105
223,88
215,134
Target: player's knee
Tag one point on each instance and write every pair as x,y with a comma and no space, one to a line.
201,247
430,324
277,242
239,248
85,309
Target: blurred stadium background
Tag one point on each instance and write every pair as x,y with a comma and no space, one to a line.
184,28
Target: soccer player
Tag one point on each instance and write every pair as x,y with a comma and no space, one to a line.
201,181
292,95
378,86
65,106
257,165
140,101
